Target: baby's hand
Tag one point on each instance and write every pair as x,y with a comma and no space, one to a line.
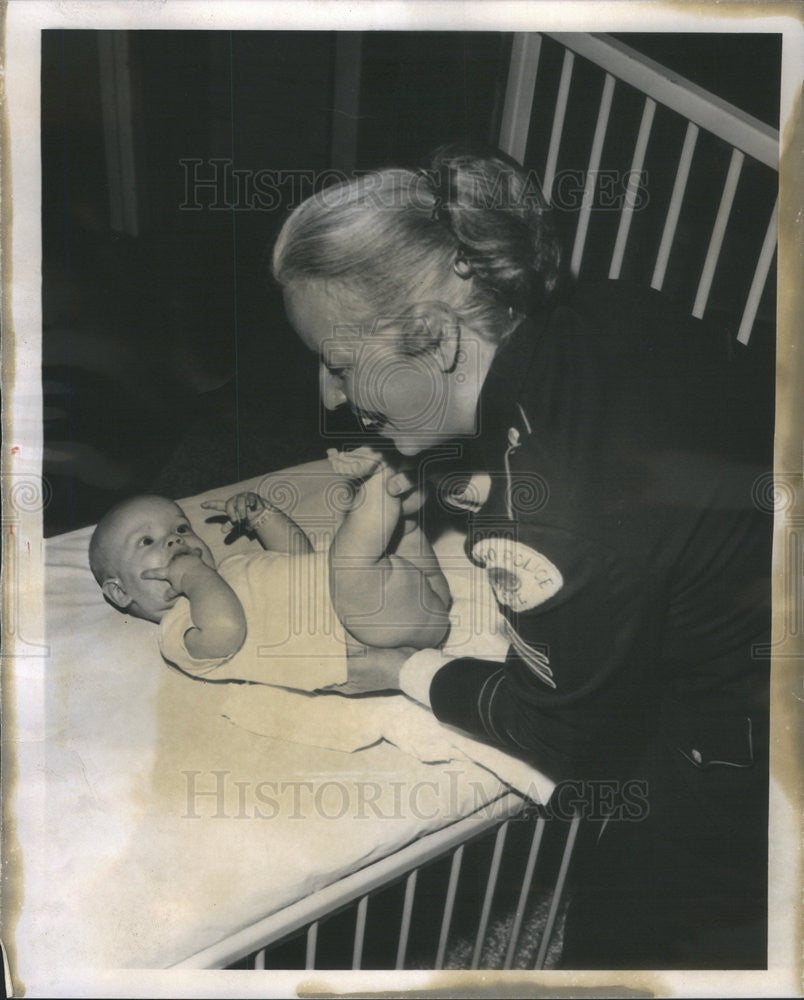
177,572
355,464
242,509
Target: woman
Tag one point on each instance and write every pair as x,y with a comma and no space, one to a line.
618,532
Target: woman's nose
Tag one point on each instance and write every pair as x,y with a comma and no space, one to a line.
174,540
332,394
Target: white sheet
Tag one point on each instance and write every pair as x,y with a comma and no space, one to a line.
168,825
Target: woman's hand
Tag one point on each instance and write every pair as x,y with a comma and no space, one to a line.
404,486
374,669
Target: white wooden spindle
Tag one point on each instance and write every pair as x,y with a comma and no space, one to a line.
637,163
558,891
312,942
360,932
718,232
449,906
524,893
407,911
760,277
679,187
592,173
519,93
491,885
558,123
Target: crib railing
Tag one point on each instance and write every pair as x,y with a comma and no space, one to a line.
438,871
742,134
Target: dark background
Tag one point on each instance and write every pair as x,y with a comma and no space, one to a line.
168,364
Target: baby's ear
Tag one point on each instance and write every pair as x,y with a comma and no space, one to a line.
113,589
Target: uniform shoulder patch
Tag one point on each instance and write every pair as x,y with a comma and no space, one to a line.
521,577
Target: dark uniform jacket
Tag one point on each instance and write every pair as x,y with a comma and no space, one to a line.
626,541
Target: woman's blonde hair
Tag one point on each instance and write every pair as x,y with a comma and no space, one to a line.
393,238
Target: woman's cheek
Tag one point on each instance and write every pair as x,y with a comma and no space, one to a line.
420,404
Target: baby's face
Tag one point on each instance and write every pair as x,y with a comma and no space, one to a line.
147,535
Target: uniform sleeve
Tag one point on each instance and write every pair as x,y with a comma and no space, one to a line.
576,690
418,671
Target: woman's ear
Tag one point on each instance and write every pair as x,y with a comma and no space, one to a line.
436,327
113,590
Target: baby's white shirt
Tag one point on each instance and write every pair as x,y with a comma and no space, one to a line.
293,636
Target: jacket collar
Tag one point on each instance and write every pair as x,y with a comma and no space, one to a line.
511,368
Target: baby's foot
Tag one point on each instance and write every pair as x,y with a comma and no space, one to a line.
357,464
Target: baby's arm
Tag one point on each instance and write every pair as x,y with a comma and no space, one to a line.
384,599
276,531
219,624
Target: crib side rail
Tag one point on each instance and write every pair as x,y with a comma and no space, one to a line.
705,109
356,886
745,137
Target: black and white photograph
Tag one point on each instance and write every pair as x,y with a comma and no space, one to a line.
402,498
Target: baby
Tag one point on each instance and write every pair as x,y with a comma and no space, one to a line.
268,616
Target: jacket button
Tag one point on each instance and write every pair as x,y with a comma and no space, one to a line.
697,757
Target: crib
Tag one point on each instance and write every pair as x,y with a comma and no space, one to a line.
738,152
443,891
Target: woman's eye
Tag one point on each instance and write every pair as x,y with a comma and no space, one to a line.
146,540
182,529
338,371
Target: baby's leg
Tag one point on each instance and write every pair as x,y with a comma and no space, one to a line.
416,548
382,599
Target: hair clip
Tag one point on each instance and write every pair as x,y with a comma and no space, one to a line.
431,176
431,180
440,193
462,266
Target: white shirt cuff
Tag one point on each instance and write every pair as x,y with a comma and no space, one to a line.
418,671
